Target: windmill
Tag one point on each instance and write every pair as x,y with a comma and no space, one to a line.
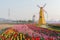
41,20
33,18
9,13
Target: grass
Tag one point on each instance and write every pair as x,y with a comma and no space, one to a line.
55,28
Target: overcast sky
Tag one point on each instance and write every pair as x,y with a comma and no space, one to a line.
25,9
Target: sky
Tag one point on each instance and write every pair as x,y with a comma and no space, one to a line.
25,9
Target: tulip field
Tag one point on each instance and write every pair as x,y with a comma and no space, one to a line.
27,32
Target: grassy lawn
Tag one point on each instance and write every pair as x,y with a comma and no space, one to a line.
55,28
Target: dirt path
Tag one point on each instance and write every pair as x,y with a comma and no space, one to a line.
2,26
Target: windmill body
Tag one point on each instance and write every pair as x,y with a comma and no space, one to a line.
41,17
41,21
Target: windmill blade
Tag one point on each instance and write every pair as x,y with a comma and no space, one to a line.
44,5
38,6
45,11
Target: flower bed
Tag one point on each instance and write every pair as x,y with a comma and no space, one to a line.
30,32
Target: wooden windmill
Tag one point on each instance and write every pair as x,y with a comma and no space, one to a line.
41,20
